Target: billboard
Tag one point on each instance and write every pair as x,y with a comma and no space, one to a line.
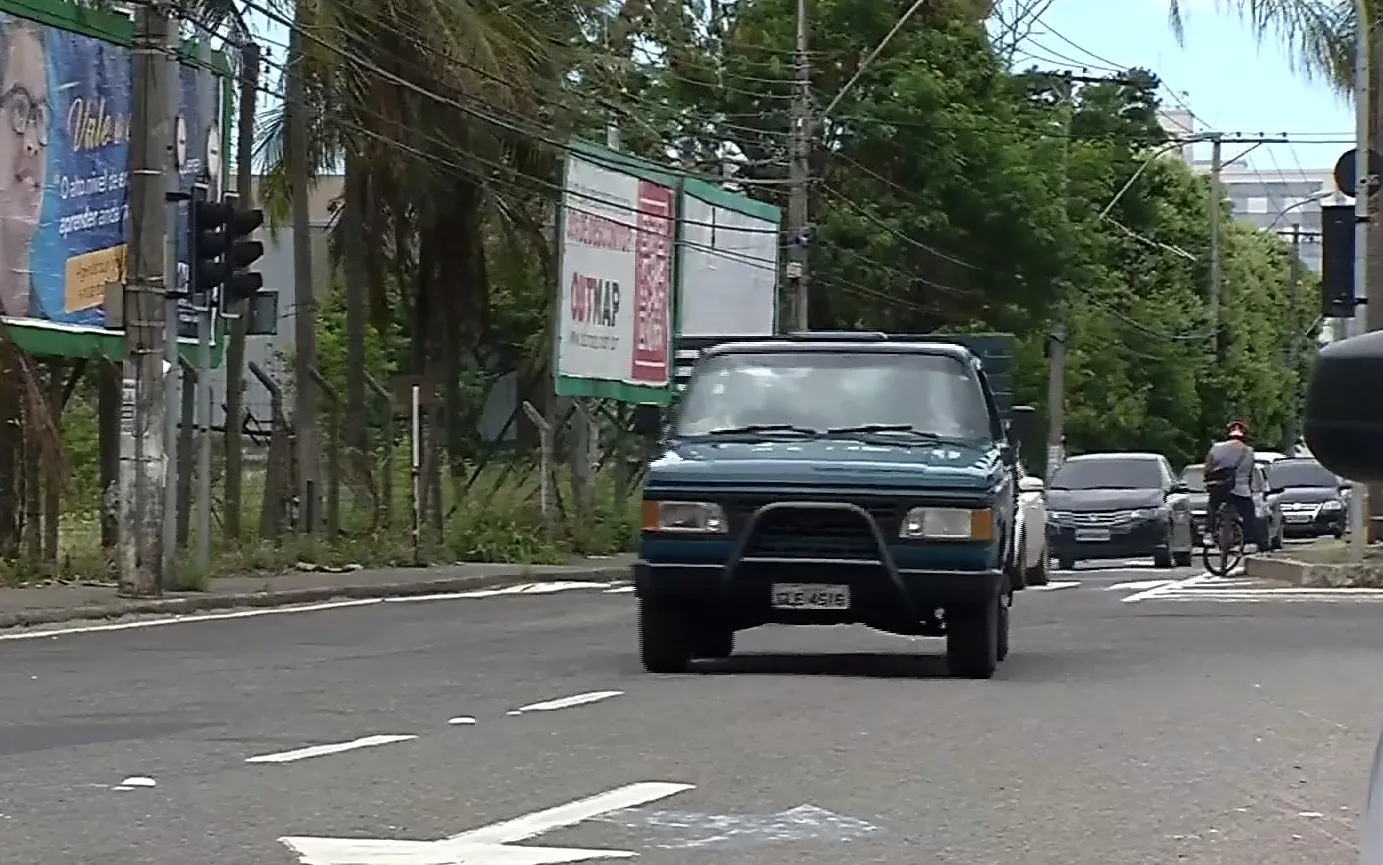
617,237
65,103
729,264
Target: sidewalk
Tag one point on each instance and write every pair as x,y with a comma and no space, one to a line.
63,603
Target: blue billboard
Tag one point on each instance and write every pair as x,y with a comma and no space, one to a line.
65,102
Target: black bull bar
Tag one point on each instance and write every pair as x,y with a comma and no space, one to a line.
883,559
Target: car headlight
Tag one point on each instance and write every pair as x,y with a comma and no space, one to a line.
701,518
1148,513
948,524
1332,506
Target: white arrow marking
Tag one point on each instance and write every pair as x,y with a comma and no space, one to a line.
488,845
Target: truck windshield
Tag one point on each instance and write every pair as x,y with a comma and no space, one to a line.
818,391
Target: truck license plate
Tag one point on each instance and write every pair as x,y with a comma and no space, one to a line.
1092,534
810,596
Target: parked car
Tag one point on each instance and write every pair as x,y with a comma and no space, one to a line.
1119,506
1030,531
1313,499
1265,503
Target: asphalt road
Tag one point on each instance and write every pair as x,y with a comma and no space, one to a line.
1115,733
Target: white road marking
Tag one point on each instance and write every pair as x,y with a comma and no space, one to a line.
523,589
54,633
461,721
567,702
736,831
620,590
324,750
1166,588
135,781
42,632
1137,585
1053,587
488,845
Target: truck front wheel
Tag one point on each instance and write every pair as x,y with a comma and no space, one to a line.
972,639
665,639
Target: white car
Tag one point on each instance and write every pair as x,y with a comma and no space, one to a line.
1030,530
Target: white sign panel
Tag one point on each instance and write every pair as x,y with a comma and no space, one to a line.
616,277
729,271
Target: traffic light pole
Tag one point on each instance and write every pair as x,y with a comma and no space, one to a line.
205,308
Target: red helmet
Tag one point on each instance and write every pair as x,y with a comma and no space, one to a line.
1237,429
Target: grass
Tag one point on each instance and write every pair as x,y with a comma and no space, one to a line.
499,520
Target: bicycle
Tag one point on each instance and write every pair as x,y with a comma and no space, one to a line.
1229,549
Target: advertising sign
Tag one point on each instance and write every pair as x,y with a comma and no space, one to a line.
65,102
729,272
615,293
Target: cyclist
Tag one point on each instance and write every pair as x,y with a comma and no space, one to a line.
1228,478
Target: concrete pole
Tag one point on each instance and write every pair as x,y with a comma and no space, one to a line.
799,171
143,454
1358,499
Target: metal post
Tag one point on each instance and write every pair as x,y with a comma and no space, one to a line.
1216,197
1293,342
1358,499
416,423
143,458
172,372
799,174
205,311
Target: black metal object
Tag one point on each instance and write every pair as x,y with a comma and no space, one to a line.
745,552
1338,298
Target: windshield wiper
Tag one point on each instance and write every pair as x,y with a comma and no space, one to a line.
885,428
763,428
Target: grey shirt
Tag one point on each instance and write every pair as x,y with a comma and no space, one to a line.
1238,456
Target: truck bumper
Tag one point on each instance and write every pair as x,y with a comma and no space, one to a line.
873,591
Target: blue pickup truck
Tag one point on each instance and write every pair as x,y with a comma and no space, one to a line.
826,478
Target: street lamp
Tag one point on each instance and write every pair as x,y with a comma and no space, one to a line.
1317,196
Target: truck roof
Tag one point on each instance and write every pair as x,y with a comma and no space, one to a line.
890,346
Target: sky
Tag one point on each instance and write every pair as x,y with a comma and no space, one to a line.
1221,73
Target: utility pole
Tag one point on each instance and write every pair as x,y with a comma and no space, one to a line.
172,370
143,455
1359,493
1217,195
799,175
1056,382
240,323
304,296
1293,341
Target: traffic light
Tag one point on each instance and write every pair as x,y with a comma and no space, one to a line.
1337,261
222,251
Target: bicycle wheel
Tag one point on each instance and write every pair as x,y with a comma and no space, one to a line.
1226,555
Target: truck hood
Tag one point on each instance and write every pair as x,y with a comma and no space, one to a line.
833,462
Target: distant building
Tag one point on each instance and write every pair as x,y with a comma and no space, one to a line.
1278,199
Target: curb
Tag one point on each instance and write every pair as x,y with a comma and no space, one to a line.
289,597
1315,575
1266,568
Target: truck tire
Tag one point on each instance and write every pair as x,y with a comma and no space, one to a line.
972,640
713,641
665,644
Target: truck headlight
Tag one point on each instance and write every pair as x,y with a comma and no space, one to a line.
702,518
948,524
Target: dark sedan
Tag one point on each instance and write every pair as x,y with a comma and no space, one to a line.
1312,498
1118,506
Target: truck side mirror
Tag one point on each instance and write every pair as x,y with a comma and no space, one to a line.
647,421
1343,430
